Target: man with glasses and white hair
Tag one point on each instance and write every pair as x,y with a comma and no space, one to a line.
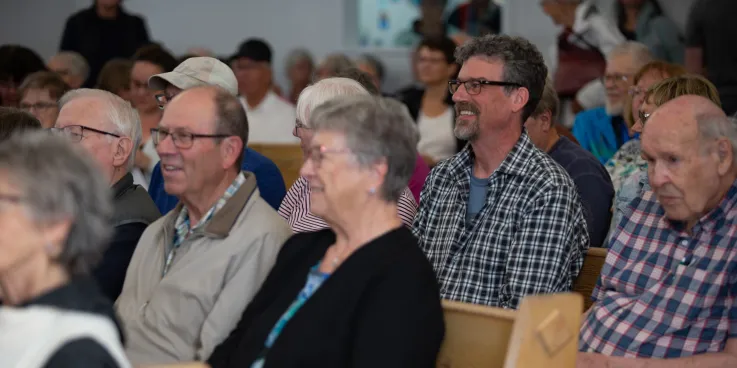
110,129
208,71
602,131
195,269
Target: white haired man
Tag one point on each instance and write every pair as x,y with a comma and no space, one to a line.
666,295
602,131
109,129
195,269
71,66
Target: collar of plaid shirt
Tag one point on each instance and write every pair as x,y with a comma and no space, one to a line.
182,224
664,292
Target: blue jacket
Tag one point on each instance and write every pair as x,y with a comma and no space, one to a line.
594,132
268,179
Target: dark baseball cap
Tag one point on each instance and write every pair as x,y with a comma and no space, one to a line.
254,49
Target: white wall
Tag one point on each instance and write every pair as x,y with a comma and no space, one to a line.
322,26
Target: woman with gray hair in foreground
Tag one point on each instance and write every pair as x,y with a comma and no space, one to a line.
55,213
362,293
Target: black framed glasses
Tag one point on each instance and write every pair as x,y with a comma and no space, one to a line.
182,139
76,132
643,116
473,86
163,98
300,125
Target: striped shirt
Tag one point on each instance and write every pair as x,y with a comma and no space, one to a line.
295,208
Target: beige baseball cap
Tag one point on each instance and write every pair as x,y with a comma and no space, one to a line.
195,72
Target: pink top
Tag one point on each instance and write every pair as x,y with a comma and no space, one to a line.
417,181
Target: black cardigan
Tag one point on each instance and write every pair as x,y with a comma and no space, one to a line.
380,308
412,98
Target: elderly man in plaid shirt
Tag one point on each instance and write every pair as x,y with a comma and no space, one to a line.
500,220
669,286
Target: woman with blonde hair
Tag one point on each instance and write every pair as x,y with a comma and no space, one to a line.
657,95
627,159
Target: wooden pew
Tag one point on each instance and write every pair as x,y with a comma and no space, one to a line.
287,157
542,333
589,275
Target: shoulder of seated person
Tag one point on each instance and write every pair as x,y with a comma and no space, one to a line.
83,352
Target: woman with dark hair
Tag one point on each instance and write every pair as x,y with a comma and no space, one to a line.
16,62
148,61
13,121
431,106
643,21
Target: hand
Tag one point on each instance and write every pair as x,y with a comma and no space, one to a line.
586,360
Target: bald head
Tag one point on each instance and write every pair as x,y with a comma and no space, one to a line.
689,145
688,114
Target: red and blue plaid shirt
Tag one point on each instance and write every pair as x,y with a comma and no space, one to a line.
665,293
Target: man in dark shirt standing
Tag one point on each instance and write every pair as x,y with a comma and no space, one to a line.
103,32
591,178
711,36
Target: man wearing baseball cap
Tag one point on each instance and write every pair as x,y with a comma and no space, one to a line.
271,118
208,71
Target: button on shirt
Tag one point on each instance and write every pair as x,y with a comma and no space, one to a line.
272,121
528,238
662,292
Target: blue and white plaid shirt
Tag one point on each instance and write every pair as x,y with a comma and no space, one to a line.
665,293
530,236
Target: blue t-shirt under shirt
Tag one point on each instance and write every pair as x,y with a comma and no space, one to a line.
477,196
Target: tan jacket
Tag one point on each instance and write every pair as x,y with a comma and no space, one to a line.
215,274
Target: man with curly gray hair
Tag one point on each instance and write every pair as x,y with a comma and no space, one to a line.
500,220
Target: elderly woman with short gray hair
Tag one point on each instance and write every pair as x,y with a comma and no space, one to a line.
296,208
55,214
362,293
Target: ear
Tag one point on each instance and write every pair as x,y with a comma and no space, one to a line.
378,174
520,96
55,235
123,151
546,120
231,148
724,155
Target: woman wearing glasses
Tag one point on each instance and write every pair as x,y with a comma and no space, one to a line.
39,95
627,160
361,294
55,214
658,94
296,206
431,106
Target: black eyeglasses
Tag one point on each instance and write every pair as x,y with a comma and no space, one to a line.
163,98
76,132
181,139
643,116
473,86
